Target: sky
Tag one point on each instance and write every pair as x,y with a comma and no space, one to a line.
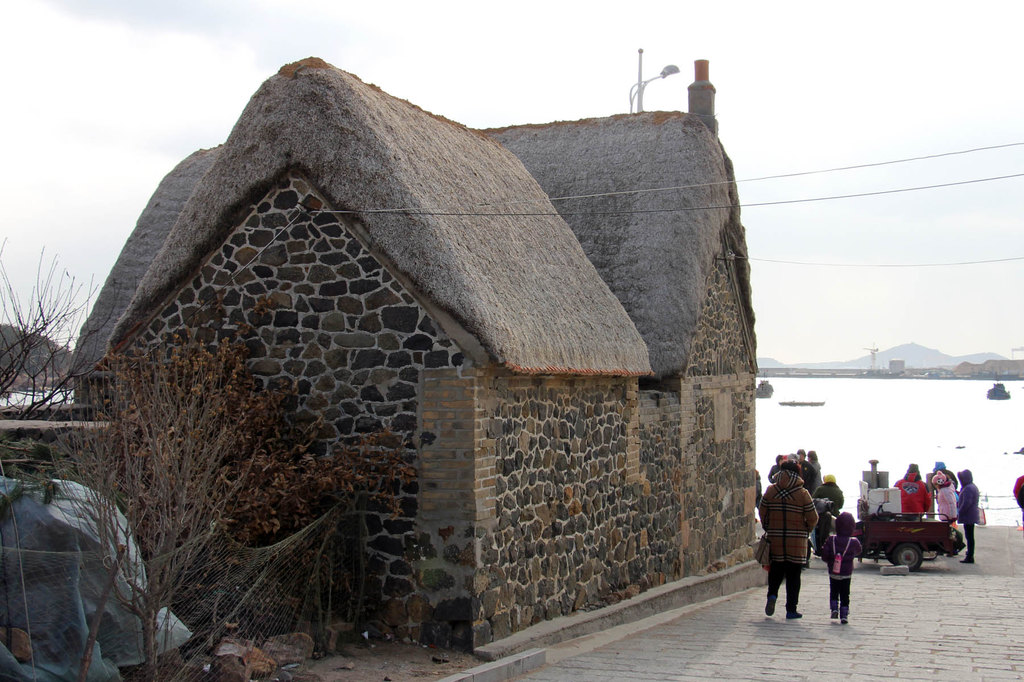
104,97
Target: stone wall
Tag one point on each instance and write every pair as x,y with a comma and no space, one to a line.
586,490
718,432
526,509
661,459
567,532
536,496
316,309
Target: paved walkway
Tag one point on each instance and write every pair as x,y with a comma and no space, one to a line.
947,621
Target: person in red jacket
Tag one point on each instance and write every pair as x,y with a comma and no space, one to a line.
914,495
1018,494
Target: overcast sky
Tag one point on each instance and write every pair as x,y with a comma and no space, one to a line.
104,97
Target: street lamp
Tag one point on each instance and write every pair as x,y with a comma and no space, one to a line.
637,91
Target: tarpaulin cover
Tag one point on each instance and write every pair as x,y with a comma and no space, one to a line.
53,570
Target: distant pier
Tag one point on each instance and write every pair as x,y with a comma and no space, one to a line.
805,372
931,373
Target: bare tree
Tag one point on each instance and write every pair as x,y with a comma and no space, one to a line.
193,449
37,335
174,418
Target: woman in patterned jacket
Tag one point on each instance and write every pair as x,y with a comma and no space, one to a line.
787,516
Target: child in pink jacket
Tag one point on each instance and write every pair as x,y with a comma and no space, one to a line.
838,553
945,497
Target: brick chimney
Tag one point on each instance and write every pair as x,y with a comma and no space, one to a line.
702,96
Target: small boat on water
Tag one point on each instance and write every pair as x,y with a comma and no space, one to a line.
801,403
998,392
764,389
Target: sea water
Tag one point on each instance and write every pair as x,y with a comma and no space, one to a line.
899,422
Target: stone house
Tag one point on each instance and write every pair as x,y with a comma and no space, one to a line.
577,378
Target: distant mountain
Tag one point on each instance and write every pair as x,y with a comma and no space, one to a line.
914,355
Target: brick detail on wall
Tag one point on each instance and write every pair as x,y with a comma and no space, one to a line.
457,470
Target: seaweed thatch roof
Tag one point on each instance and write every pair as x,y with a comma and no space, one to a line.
655,249
151,230
519,284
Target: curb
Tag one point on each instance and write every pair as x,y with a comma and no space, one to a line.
510,655
505,669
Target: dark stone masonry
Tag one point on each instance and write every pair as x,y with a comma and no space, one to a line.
315,308
538,496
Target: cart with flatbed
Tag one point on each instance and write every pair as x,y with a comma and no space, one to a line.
906,539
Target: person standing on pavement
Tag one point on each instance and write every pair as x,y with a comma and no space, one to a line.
950,476
811,473
757,488
808,471
1018,494
830,491
967,511
774,471
945,497
914,495
787,516
838,553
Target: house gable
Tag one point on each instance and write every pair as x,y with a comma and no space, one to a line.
315,308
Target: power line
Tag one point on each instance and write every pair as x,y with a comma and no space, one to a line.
885,191
790,175
423,212
886,265
885,163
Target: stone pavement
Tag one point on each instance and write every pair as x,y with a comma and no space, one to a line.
947,621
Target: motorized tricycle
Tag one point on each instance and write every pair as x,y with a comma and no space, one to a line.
906,539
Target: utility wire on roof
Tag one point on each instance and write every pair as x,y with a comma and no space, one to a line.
697,185
793,175
886,163
883,265
423,212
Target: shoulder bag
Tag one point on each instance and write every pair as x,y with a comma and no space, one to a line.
763,551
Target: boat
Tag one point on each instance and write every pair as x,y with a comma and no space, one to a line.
998,392
764,389
802,403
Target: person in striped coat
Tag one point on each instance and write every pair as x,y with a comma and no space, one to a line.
787,516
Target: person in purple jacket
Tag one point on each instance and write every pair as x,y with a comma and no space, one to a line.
967,511
838,553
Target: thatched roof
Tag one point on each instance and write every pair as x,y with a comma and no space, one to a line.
151,230
521,285
653,252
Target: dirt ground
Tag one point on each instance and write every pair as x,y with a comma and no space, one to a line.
393,661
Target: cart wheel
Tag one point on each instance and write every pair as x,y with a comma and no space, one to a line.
907,554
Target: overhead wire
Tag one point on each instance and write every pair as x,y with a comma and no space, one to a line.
793,175
513,214
672,188
684,209
884,265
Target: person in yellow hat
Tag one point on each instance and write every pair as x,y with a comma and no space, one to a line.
830,491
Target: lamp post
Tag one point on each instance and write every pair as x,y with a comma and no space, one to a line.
637,91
